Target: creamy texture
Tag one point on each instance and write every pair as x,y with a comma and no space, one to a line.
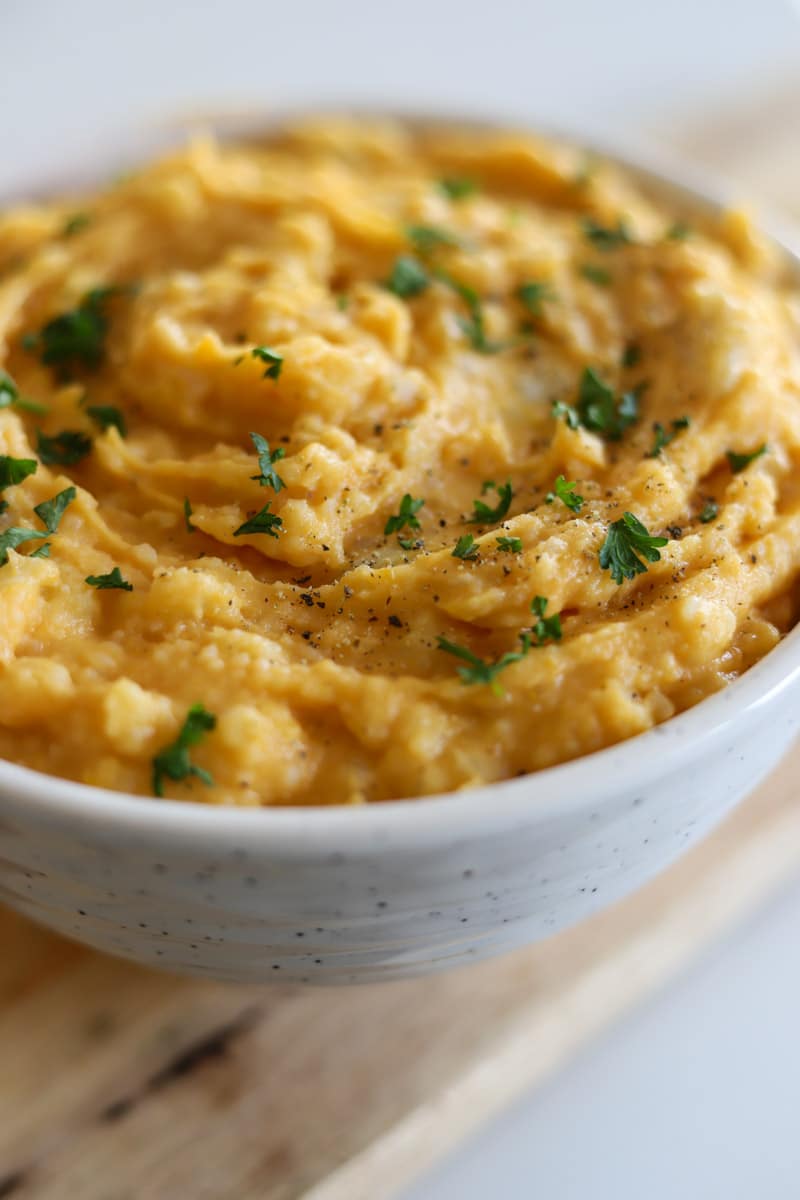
317,649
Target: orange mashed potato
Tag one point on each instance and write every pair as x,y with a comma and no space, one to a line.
315,457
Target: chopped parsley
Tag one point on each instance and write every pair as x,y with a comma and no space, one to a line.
606,237
533,295
342,302
472,326
9,394
50,512
408,278
75,224
15,470
594,274
263,522
601,411
405,518
272,358
738,462
663,438
564,490
14,537
456,188
76,338
426,238
477,669
187,515
708,512
63,449
483,514
173,762
560,409
546,628
268,476
466,548
41,551
678,232
627,544
108,417
512,545
113,580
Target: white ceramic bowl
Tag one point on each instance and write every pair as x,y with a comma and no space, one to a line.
345,895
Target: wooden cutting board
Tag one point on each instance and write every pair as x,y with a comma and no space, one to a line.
120,1084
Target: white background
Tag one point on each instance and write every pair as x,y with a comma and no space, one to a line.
698,1096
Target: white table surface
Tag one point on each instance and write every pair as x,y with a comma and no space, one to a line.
696,1097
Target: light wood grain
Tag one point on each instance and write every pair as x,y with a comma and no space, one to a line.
119,1084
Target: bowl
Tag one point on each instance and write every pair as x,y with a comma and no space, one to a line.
348,895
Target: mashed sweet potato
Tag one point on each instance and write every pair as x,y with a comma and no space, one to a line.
353,419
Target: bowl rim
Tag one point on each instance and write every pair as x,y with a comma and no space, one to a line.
578,783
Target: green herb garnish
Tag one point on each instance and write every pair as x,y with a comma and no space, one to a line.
708,512
473,325
50,512
263,522
534,294
678,232
63,449
108,417
11,539
483,514
457,189
738,462
41,551
405,518
546,628
631,355
9,394
75,224
606,237
564,490
268,476
272,358
75,338
512,545
477,669
15,470
626,545
408,278
560,409
598,275
466,547
601,411
113,580
173,762
663,437
426,238
187,515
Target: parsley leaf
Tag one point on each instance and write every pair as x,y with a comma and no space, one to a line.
405,517
263,522
663,438
483,514
708,512
112,580
108,417
533,295
268,476
546,628
50,512
627,543
426,238
187,515
75,224
173,762
606,237
63,449
570,414
466,547
678,232
75,338
272,358
408,278
738,462
477,669
601,411
512,545
9,394
565,491
15,470
594,274
456,188
41,551
11,538
472,326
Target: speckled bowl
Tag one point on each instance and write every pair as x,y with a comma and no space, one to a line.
347,895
